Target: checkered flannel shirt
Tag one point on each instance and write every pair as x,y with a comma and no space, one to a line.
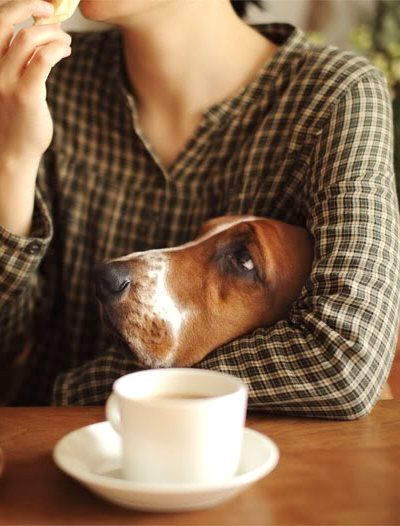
308,142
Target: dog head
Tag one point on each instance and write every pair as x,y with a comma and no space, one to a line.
173,306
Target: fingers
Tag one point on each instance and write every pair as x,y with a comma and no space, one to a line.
39,67
26,62
24,45
13,12
6,34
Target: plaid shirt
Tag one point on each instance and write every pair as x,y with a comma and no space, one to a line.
308,141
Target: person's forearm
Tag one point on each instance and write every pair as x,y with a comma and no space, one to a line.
21,284
91,383
17,196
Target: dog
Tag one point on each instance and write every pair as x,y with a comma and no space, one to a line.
173,306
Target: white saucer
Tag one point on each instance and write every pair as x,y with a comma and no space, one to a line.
92,455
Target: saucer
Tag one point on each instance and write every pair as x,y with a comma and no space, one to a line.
92,455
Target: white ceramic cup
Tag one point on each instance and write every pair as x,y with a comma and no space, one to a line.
169,439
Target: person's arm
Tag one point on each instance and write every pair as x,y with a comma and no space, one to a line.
332,354
91,383
20,279
26,131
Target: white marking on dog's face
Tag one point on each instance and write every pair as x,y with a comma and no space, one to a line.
162,304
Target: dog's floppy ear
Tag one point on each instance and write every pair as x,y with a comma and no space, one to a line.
291,252
217,221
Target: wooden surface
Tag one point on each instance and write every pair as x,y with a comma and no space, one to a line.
345,473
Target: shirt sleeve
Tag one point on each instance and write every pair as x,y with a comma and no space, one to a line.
20,258
332,355
91,383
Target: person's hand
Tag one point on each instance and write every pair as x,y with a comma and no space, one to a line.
26,127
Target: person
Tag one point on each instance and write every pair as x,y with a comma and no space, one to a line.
180,113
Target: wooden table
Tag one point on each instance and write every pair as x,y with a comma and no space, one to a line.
329,473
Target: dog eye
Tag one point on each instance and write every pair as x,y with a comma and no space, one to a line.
243,260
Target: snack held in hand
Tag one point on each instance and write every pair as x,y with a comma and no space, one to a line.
63,9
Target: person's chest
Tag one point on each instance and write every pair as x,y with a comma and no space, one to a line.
128,201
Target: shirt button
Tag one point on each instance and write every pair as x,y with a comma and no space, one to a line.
33,248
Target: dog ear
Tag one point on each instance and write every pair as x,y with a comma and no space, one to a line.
217,221
291,252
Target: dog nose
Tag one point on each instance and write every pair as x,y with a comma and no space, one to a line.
111,279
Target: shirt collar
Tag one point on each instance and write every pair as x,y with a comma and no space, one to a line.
292,44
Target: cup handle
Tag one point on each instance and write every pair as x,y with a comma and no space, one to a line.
112,413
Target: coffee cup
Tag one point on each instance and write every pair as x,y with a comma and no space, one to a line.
179,425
